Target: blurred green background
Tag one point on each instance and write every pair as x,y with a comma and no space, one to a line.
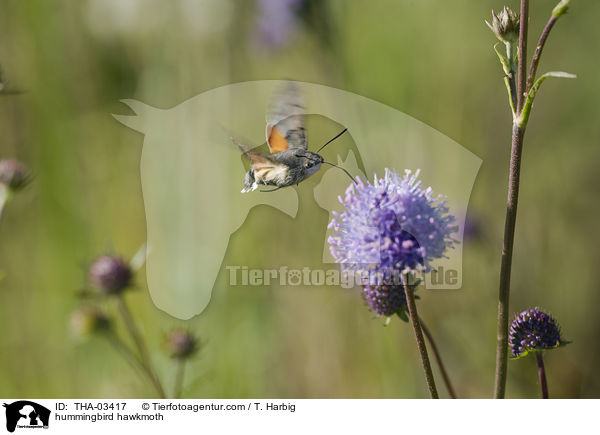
432,59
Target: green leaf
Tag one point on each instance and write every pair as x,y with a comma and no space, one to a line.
503,59
561,8
527,352
558,74
402,314
522,120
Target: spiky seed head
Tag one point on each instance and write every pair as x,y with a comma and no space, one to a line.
505,25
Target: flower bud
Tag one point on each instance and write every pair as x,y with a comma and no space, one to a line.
13,174
181,344
384,299
505,25
110,275
533,330
561,8
86,321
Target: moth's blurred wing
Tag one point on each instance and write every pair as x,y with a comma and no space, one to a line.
285,120
254,155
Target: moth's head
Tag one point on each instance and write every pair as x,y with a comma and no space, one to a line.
310,159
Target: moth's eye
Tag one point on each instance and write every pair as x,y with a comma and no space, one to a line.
307,164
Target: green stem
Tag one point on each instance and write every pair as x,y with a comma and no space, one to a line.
179,378
542,374
511,54
414,318
4,197
438,359
133,360
508,65
139,342
535,60
505,269
522,65
518,133
526,90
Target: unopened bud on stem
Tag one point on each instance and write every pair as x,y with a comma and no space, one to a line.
181,344
505,25
561,8
110,275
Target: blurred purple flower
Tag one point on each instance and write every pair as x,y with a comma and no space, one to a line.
277,21
13,174
472,229
181,344
110,274
533,330
391,226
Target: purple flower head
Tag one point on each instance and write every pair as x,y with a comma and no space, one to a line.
110,274
181,344
533,330
385,300
391,226
277,21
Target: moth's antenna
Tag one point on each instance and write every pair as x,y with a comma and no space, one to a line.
332,139
339,167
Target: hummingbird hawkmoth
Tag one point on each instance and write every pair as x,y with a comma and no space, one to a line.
290,161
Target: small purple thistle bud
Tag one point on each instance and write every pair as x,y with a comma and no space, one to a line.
384,300
110,275
534,330
505,25
13,174
181,344
86,321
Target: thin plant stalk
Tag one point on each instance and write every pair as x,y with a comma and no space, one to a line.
414,318
438,359
138,341
542,374
527,88
4,196
134,361
518,133
535,60
179,378
522,63
505,269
